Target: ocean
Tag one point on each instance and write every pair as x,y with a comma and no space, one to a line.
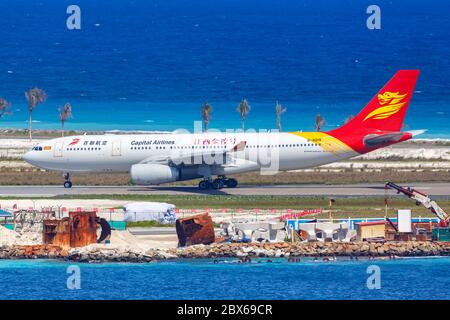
150,64
409,278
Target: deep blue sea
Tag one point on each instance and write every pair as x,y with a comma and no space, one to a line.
412,278
150,64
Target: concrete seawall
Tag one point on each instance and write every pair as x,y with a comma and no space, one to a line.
100,253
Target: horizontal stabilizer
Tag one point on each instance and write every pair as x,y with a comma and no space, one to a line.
417,132
374,140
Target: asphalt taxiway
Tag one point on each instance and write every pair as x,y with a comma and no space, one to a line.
432,189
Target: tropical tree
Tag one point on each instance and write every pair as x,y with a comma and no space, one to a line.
4,107
280,110
243,108
206,111
405,126
34,97
64,114
349,118
320,121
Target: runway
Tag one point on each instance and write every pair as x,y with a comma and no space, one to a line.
432,189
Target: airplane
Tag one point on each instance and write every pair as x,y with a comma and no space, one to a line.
153,159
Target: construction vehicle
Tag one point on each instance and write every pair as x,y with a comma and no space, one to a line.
422,199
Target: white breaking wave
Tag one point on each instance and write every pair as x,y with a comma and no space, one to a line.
34,121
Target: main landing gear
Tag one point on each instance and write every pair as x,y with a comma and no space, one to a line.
67,182
218,183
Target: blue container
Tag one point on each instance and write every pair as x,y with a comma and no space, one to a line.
118,225
9,226
441,234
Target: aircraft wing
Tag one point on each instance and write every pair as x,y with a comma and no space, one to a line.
204,156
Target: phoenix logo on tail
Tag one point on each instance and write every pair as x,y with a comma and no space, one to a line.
380,122
390,102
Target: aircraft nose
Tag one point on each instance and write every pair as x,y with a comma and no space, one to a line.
28,157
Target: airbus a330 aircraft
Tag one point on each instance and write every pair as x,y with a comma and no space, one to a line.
160,158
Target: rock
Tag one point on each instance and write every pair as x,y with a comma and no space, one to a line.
247,249
348,250
260,252
84,257
270,253
241,254
98,253
166,255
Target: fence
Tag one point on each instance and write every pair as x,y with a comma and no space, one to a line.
37,216
273,212
295,223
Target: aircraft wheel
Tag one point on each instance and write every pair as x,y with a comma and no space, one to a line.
217,184
231,183
204,184
68,184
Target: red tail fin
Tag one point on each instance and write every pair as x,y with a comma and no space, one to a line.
387,109
383,115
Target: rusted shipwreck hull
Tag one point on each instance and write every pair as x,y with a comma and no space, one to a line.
198,229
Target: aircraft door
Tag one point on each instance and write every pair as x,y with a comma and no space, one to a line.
58,152
116,149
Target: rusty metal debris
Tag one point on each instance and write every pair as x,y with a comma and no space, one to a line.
56,232
78,230
198,229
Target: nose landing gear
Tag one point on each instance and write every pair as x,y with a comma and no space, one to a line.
218,183
67,182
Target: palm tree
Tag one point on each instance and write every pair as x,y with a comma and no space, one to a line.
280,110
4,107
243,108
64,114
320,121
405,126
34,97
349,118
206,111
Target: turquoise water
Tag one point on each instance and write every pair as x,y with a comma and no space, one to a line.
159,117
150,64
412,278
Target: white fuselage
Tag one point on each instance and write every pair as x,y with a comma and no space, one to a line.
118,153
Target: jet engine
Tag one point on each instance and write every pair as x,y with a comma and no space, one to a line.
148,174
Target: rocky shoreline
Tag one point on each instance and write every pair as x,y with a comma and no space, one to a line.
32,252
101,253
